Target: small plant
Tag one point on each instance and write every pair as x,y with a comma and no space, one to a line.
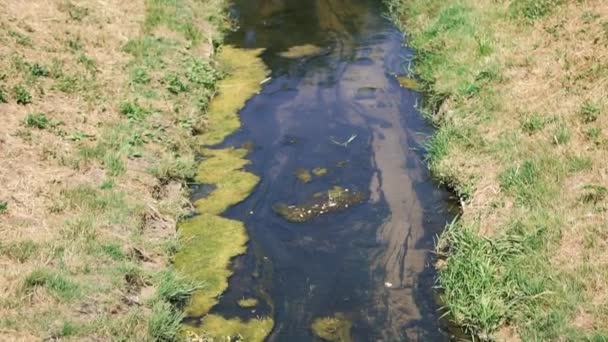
202,73
3,207
532,9
107,184
140,76
133,111
589,112
22,95
75,44
37,120
532,123
593,133
175,85
67,84
39,70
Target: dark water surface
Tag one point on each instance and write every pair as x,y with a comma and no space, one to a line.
369,262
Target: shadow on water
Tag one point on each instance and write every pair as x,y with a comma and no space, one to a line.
369,262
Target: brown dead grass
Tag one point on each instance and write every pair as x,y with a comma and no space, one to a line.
41,166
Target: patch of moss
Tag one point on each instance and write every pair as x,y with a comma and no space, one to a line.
208,243
208,240
248,302
234,329
335,329
409,83
303,175
246,70
222,169
334,199
319,171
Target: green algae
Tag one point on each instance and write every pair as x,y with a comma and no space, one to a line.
334,329
209,241
334,199
409,83
222,168
247,302
300,51
303,175
234,329
246,70
319,171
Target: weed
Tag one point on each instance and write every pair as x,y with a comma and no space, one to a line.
140,76
562,135
77,13
61,286
38,120
3,207
589,112
68,84
202,73
532,122
133,111
107,184
594,193
175,167
175,289
88,63
20,38
579,163
114,251
69,328
21,251
22,95
164,323
3,96
532,9
133,274
75,44
175,85
78,136
114,165
39,70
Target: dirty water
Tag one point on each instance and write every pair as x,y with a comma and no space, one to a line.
334,103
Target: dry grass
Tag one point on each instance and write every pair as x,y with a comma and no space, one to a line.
521,100
90,194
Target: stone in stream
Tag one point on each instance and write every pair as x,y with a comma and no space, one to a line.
334,199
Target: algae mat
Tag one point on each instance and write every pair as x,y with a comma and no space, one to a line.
209,241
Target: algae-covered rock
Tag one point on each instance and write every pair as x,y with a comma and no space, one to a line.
247,302
300,51
319,171
303,175
334,329
409,83
334,199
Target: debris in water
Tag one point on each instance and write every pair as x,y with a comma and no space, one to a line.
387,284
343,144
300,51
409,83
334,199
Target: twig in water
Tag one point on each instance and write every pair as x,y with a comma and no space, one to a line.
343,144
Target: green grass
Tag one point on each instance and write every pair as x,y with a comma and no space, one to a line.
37,120
22,95
57,283
20,251
3,207
174,288
164,323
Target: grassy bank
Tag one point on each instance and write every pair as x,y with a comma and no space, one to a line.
101,103
519,93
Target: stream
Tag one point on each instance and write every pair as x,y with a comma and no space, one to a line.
334,103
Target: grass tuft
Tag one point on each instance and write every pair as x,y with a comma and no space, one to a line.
57,283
